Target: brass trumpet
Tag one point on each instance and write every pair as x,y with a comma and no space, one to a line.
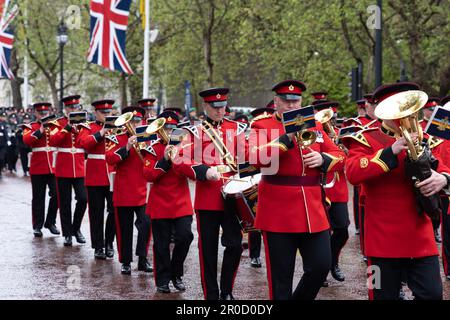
124,121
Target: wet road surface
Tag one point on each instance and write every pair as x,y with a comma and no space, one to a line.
42,268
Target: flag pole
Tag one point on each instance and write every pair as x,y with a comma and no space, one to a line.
25,68
146,50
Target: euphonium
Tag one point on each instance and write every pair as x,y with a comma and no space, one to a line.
124,120
403,108
324,117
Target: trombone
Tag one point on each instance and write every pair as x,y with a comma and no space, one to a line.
124,120
225,154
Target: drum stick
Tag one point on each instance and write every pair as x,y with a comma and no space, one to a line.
232,179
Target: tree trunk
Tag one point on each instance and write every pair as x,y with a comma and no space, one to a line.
207,48
54,90
123,90
16,82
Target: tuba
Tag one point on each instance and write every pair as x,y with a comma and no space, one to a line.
403,109
124,120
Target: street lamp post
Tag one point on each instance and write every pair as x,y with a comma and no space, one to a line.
62,39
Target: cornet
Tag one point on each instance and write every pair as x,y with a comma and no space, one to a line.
124,120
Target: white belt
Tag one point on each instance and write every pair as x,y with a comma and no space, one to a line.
96,156
71,150
44,149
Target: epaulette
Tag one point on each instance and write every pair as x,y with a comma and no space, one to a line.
55,122
26,125
260,117
193,130
433,142
359,136
150,149
85,125
241,127
113,138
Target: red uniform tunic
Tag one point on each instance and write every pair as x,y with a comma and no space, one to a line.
169,196
42,154
291,208
70,156
196,159
339,192
97,169
393,227
130,186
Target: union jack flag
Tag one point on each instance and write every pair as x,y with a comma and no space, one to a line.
6,38
109,21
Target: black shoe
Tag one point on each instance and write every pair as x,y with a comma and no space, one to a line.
178,284
228,296
337,273
37,233
357,232
245,245
100,254
325,284
163,289
402,295
79,236
126,268
144,265
109,250
437,236
67,241
365,260
53,229
172,238
256,262
447,277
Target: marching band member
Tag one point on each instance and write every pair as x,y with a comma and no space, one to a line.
338,196
291,211
69,171
149,107
37,136
401,242
92,139
204,163
129,196
169,207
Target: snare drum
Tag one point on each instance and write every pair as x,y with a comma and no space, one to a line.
241,198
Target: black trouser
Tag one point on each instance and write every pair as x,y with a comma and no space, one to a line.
361,230
208,226
3,151
12,156
65,204
356,206
254,244
165,267
24,159
339,221
281,251
423,276
97,195
445,233
39,183
124,229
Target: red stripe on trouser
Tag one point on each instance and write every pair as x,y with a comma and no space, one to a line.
149,237
119,234
369,264
32,207
361,230
59,203
444,257
200,251
268,268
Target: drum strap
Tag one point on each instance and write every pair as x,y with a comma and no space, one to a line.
292,180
